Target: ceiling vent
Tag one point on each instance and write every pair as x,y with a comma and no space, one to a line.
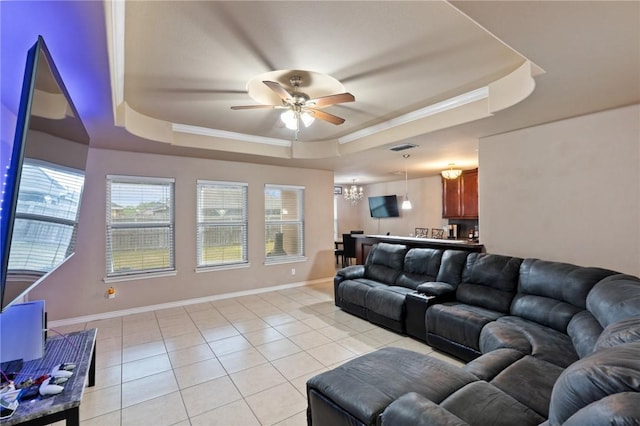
402,147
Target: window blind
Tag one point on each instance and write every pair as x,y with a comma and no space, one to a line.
44,232
284,223
222,223
140,225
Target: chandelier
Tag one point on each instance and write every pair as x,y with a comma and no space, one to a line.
451,173
353,193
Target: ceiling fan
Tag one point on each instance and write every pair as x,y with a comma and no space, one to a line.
299,106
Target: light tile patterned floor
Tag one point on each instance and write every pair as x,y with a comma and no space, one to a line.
240,361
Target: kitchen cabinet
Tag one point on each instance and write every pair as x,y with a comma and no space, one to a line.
460,196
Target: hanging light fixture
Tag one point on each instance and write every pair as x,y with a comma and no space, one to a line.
354,193
406,204
292,117
451,173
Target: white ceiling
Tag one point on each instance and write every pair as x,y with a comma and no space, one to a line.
188,62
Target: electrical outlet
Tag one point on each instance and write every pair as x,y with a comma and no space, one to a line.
293,271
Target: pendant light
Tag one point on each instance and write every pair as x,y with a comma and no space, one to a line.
406,204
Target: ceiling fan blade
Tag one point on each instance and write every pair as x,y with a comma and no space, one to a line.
331,100
333,119
254,107
278,90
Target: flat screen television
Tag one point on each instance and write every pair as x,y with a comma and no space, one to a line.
384,206
43,179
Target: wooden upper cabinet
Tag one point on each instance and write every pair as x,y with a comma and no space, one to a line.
460,196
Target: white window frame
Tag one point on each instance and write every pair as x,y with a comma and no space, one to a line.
243,223
111,226
298,221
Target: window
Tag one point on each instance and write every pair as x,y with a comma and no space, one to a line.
284,223
222,223
140,225
44,232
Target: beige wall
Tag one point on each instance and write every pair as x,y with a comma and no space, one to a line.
77,287
566,191
426,200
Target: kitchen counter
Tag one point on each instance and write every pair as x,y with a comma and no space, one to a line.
364,243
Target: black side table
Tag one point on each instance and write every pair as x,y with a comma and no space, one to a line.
417,304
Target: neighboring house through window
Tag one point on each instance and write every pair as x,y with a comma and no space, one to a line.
140,225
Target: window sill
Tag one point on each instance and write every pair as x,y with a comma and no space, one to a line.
291,259
141,276
222,267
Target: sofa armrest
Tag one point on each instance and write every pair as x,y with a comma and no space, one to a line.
351,272
414,409
435,288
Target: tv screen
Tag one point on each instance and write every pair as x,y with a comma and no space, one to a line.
384,206
43,180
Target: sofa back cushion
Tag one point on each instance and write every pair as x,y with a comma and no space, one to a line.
551,293
584,330
451,266
614,299
489,281
420,265
384,262
606,372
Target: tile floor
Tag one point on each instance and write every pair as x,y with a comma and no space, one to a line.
240,361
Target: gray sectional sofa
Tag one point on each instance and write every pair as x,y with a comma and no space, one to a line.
547,343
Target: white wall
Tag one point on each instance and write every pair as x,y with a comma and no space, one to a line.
426,200
566,191
77,287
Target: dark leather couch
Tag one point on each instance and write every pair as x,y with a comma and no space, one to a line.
548,343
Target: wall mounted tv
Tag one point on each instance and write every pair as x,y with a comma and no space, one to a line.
44,178
384,206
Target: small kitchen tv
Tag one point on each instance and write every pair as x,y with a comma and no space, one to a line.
384,206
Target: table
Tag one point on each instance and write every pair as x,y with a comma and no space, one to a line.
78,348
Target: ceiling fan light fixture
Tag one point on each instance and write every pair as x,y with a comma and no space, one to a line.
307,118
289,119
451,173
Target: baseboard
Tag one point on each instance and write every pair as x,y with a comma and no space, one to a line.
178,303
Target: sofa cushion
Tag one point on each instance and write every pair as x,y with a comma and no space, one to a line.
416,410
615,298
355,291
451,266
365,386
545,343
459,322
551,293
498,335
489,281
603,373
584,329
384,262
621,409
529,380
489,365
387,301
481,403
420,265
625,331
